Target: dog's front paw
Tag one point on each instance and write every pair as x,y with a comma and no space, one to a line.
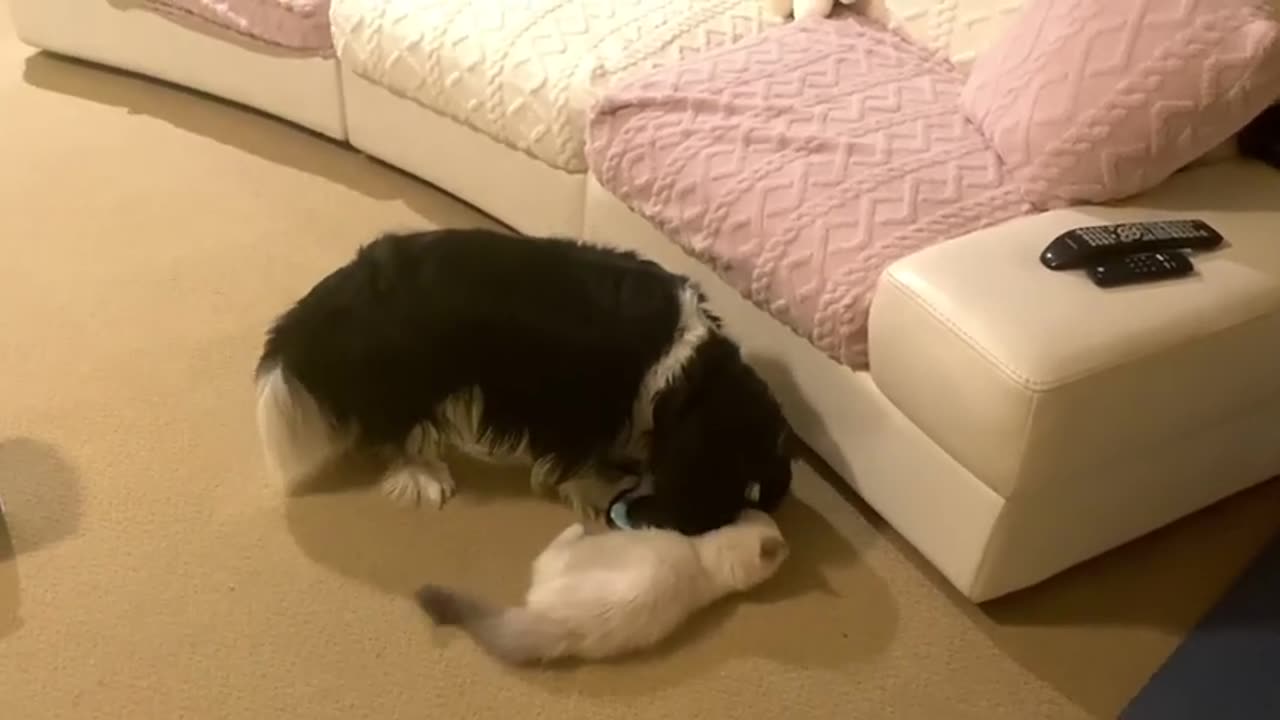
414,485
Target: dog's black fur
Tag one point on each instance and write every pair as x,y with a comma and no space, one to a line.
558,337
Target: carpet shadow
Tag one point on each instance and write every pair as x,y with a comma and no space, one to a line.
854,604
10,583
271,138
343,522
486,537
40,493
1154,590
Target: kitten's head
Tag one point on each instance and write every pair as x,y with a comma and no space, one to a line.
745,553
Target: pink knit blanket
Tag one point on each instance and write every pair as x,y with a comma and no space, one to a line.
801,163
297,25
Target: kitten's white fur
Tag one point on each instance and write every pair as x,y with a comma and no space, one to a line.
604,595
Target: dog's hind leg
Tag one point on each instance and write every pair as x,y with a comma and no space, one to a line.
588,491
420,476
298,438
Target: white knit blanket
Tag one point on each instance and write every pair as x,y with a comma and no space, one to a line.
525,72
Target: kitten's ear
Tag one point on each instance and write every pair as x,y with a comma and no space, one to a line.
772,548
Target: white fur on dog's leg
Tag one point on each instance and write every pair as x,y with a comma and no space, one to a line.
588,495
413,485
297,436
580,506
543,476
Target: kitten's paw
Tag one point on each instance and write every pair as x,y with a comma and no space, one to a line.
571,534
414,485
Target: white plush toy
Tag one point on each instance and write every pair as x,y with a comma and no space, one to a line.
801,9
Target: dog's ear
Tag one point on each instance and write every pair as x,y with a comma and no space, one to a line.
687,511
645,511
789,444
691,495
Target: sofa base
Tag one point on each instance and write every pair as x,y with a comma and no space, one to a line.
1099,415
303,90
516,189
975,537
987,545
941,509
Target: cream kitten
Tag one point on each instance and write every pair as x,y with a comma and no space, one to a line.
598,596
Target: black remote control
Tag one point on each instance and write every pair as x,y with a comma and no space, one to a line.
1140,268
1087,246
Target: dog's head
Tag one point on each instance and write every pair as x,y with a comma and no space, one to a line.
719,445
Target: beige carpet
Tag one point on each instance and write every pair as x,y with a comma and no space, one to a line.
149,571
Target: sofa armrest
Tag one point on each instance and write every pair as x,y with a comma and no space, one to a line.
1021,373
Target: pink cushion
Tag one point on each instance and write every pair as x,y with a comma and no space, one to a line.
1095,100
799,164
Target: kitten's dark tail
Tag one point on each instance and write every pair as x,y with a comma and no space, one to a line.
514,635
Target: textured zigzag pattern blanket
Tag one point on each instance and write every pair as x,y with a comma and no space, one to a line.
297,25
800,164
525,72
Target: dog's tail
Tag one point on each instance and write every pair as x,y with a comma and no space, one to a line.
516,635
298,437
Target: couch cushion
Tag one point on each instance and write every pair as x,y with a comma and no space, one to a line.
293,24
525,72
800,163
1095,100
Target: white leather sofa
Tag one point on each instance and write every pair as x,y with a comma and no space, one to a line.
303,90
1015,422
488,101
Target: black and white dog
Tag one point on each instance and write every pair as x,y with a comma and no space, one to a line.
575,358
